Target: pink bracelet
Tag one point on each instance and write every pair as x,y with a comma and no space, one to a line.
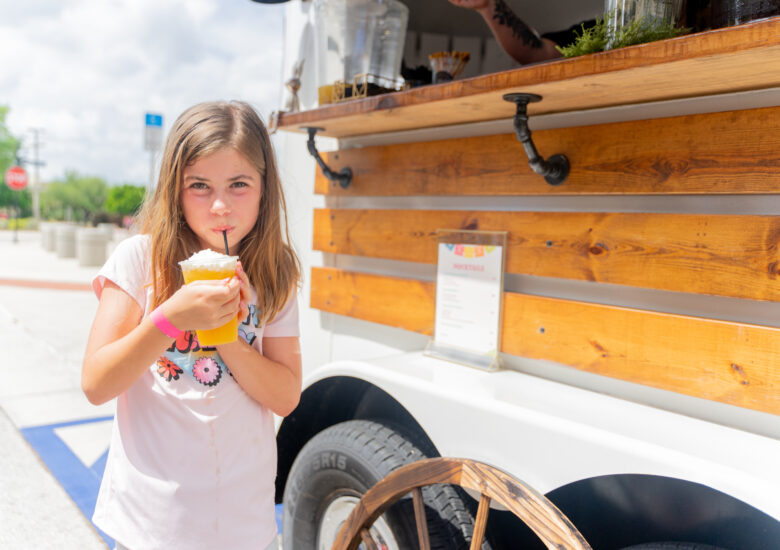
161,322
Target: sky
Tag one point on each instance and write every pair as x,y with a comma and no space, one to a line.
85,72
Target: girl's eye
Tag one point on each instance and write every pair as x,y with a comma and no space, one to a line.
198,186
239,184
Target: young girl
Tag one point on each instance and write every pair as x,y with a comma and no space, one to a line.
193,454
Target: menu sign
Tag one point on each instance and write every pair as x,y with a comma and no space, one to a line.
469,291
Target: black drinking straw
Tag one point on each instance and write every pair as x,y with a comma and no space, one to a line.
224,236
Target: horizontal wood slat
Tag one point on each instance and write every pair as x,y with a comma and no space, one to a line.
745,57
384,300
721,255
735,152
732,363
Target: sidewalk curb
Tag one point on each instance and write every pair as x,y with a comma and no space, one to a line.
41,515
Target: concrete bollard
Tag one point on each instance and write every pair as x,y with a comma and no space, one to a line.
108,229
49,236
42,231
91,246
66,241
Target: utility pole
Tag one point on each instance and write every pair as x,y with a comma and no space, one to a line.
152,143
36,183
35,162
150,185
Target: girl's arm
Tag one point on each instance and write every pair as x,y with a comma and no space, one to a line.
273,378
122,345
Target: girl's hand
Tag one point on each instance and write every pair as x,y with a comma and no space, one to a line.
203,305
245,291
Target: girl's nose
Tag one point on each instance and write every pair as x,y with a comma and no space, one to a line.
219,207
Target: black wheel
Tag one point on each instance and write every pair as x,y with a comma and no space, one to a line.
337,466
673,546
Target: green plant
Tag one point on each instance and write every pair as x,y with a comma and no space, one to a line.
24,224
592,40
638,31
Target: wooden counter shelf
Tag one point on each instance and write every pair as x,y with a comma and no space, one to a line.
741,58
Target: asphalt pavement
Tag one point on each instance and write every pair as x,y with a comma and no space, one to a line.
53,442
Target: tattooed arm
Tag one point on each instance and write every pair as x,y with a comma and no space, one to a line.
519,40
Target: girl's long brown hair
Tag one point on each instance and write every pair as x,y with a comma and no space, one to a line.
265,252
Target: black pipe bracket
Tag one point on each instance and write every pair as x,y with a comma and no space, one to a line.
343,177
556,168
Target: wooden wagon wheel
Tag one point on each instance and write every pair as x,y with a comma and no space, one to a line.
541,515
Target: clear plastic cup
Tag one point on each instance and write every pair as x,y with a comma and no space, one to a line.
623,12
359,39
212,269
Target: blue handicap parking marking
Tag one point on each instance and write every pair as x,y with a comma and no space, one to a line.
279,511
75,453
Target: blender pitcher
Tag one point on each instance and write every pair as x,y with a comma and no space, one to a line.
359,38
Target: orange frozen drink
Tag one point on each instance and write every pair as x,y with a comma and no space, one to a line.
208,265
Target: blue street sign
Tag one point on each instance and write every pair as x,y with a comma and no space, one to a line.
153,120
153,132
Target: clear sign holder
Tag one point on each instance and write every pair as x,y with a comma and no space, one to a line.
469,297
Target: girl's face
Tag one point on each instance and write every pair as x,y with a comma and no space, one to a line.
221,191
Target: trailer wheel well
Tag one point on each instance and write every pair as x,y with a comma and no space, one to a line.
622,510
612,511
335,400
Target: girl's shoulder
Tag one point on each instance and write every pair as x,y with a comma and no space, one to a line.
134,249
128,268
137,241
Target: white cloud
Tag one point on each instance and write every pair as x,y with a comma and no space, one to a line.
86,71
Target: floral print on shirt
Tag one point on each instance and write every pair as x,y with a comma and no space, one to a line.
203,363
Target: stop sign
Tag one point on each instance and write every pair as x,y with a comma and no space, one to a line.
16,178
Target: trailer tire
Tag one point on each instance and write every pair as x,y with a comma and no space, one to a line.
673,546
342,462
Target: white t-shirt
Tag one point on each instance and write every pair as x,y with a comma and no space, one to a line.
192,461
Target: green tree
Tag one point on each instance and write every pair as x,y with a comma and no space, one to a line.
54,201
83,196
125,199
7,200
9,146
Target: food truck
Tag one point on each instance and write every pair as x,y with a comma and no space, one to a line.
636,377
